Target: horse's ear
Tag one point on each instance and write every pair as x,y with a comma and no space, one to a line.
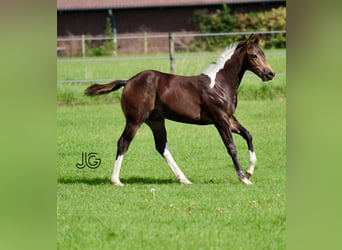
250,41
256,40
253,39
250,38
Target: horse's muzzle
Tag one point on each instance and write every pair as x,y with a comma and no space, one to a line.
267,76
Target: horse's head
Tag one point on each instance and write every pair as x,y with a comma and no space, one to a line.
256,60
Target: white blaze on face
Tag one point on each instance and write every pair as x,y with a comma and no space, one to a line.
216,66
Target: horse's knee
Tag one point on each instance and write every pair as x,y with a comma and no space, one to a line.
232,149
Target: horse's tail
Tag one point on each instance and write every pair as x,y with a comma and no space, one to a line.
99,89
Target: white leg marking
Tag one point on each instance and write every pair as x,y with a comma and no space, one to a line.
115,179
174,167
252,160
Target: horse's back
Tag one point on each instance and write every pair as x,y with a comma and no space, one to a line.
175,97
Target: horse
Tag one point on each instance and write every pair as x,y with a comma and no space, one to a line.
209,98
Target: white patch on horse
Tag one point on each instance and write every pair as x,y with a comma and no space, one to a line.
174,167
217,65
115,179
252,160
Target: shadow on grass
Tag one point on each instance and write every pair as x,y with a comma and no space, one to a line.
106,180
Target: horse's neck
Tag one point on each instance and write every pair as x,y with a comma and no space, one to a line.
233,72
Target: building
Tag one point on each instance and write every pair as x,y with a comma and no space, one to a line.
87,17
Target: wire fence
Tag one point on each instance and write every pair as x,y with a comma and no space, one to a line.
198,60
172,59
145,43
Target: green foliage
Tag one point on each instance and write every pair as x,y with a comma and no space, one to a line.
275,19
99,50
221,21
224,20
106,47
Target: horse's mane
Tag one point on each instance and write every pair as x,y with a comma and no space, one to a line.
218,64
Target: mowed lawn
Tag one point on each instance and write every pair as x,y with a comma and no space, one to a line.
154,211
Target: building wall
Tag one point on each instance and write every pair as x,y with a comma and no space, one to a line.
174,19
81,22
127,21
133,21
155,20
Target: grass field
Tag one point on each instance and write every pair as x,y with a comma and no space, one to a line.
215,212
72,94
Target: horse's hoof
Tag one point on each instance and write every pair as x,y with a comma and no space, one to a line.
248,175
186,181
246,181
117,182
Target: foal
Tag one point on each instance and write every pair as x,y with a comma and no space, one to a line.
209,98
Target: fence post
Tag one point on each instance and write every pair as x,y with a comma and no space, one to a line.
145,43
83,46
114,44
172,52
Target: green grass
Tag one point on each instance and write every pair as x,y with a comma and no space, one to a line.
215,212
185,64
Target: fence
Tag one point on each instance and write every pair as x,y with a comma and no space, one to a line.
138,43
168,47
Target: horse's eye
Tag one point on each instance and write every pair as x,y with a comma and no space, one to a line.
253,56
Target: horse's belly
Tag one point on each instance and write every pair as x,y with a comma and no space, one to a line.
187,115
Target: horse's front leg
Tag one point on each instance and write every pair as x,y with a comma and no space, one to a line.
224,128
242,131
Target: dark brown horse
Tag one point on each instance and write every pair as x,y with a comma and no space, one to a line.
209,98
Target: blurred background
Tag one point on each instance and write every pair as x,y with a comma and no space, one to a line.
98,41
99,28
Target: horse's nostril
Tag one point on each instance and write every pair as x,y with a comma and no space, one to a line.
271,74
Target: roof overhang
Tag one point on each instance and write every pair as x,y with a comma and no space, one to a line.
79,5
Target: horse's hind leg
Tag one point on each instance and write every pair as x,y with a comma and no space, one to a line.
123,144
242,131
160,138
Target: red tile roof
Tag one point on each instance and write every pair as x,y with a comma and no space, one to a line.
124,4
